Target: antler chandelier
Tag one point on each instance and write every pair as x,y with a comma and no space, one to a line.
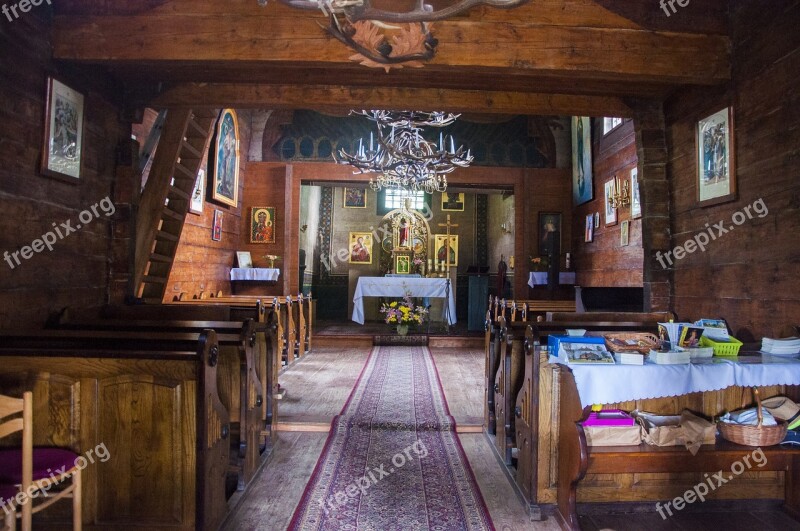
402,158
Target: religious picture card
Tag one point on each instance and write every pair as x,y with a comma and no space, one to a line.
360,247
624,233
441,250
636,201
582,183
611,212
716,178
262,225
402,264
63,132
355,198
198,193
244,259
452,202
588,234
216,227
225,187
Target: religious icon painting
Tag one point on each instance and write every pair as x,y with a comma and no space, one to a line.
716,177
549,229
588,234
402,264
452,202
360,247
636,201
262,225
196,206
441,250
624,233
582,182
216,227
63,132
226,159
355,198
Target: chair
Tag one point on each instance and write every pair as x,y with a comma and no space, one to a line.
33,471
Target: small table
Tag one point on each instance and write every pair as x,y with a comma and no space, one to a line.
256,279
539,278
398,287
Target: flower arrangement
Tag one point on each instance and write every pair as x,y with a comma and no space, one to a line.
403,313
418,263
272,258
539,263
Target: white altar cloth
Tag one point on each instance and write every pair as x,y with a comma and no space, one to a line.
255,273
609,384
539,278
398,287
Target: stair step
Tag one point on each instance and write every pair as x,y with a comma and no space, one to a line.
155,257
180,193
186,171
169,213
161,235
191,149
199,130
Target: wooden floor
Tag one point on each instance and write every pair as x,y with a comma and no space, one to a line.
317,388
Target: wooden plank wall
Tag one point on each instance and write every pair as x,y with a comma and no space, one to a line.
202,264
749,275
604,262
77,270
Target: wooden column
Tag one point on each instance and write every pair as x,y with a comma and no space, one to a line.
651,149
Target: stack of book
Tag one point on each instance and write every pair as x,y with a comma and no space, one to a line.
789,346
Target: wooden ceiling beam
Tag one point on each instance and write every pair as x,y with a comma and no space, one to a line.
342,98
515,46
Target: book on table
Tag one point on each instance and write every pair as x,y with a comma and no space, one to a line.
585,353
629,358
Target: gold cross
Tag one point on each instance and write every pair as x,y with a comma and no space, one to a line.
447,243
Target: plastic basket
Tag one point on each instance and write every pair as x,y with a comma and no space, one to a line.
731,348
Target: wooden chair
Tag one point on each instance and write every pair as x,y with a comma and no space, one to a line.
30,470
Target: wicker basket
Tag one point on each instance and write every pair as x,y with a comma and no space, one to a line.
644,342
754,435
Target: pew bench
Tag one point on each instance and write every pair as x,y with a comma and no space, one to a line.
577,458
525,310
151,399
243,380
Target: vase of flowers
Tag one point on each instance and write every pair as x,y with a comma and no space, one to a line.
403,314
539,263
272,258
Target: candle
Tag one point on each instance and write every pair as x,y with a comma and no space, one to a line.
452,144
441,142
370,141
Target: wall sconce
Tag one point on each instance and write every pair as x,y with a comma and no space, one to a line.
507,228
622,195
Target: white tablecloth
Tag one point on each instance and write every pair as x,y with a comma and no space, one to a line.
255,273
609,384
398,287
539,278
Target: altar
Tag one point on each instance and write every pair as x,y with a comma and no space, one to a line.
539,278
253,280
397,287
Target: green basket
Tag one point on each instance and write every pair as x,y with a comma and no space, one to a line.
731,348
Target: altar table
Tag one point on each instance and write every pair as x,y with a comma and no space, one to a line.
539,278
255,273
397,287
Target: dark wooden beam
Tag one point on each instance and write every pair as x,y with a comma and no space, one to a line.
342,98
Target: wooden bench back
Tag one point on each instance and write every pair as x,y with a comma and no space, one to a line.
640,317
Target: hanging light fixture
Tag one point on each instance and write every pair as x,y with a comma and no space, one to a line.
401,157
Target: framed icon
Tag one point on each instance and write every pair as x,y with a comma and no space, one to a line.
216,227
198,193
611,212
582,181
355,198
63,132
716,175
262,225
360,248
588,234
441,252
452,202
549,226
636,202
402,264
226,159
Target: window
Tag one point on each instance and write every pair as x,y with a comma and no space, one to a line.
610,123
392,198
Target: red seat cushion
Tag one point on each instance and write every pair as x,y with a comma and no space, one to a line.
46,461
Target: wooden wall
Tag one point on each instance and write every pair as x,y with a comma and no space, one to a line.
749,275
202,264
605,262
76,272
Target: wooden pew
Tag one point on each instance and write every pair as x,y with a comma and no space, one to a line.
491,365
638,317
577,458
531,309
507,384
151,399
239,383
267,359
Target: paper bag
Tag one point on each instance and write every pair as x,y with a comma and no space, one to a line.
613,435
686,429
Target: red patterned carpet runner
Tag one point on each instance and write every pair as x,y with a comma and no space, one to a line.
392,460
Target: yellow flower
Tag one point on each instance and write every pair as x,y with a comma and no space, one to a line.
393,305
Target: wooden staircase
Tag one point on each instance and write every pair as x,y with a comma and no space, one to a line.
166,197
